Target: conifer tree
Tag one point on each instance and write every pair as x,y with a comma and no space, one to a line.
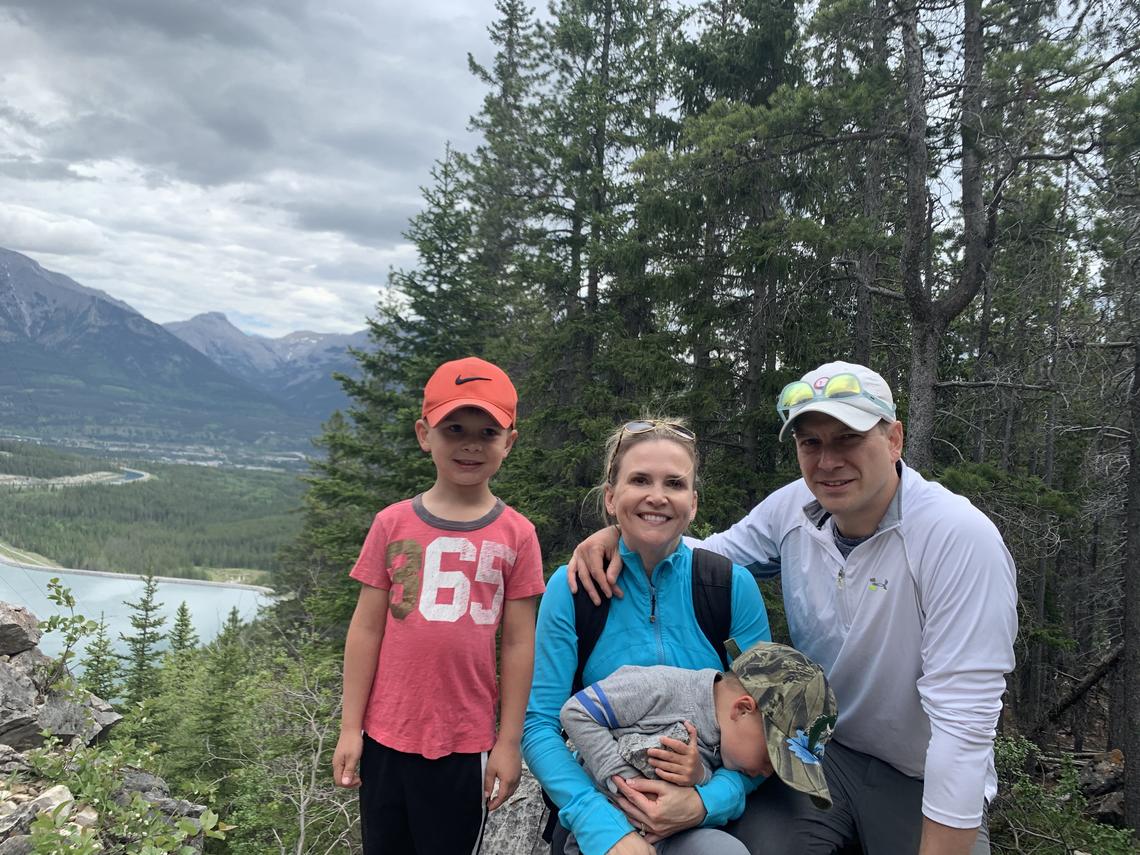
100,664
216,701
183,637
141,661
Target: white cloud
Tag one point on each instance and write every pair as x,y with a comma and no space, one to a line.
29,230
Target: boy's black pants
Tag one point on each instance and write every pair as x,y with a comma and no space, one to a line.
410,805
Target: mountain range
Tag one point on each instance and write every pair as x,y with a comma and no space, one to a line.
75,361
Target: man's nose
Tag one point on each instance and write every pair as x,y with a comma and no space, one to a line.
829,457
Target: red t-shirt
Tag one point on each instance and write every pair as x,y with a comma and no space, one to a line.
435,691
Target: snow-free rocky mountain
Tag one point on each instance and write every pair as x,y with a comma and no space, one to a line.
296,369
75,361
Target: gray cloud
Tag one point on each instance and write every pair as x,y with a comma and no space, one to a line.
368,223
267,143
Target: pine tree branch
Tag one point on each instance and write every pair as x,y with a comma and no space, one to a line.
974,384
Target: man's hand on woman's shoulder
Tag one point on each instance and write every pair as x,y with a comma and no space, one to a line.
595,565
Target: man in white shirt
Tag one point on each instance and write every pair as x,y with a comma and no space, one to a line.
906,595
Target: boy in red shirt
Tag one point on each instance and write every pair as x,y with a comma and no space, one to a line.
439,573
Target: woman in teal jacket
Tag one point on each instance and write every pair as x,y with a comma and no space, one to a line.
649,491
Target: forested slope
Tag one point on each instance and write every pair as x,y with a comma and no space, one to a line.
179,522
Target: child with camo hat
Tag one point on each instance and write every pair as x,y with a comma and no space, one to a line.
772,713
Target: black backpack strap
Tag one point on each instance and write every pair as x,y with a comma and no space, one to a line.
712,599
589,621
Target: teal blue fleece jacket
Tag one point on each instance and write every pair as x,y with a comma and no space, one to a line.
654,624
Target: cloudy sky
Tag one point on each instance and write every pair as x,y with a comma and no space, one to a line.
255,157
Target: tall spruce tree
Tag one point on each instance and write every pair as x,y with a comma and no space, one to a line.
183,636
100,664
141,661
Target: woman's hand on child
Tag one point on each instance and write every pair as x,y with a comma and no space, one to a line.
346,759
658,807
595,565
505,765
677,762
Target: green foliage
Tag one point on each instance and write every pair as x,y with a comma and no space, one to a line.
981,481
184,519
1029,818
100,664
94,775
183,638
74,628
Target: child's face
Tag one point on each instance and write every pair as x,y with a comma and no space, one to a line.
467,445
743,743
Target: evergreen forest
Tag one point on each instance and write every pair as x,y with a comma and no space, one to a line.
678,207
184,521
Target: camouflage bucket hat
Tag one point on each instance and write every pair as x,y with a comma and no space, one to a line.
799,713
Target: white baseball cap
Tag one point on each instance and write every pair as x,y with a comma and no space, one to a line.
859,405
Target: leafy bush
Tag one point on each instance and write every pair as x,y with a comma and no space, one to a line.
1030,818
94,777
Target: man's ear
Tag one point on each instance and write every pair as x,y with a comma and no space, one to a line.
422,434
895,438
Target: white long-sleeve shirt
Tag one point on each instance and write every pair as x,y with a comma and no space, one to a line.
914,629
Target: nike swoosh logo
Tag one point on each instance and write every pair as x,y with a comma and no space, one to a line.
459,381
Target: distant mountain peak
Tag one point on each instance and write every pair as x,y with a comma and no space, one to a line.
296,368
78,362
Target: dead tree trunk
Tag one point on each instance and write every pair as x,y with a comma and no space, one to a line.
1132,602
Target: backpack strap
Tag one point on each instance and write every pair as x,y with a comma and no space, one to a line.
712,599
589,621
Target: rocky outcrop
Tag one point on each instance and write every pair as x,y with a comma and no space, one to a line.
30,706
1102,783
516,827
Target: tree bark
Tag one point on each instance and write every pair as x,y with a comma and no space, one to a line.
1132,602
931,317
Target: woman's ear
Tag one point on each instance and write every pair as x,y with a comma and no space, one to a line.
608,500
693,509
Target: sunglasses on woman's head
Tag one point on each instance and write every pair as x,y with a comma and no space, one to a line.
645,426
639,426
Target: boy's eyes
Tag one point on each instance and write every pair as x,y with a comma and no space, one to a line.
457,430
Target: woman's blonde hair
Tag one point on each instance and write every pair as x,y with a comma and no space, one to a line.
620,441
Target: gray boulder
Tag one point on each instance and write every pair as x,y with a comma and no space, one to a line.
19,726
19,630
29,703
1102,774
516,827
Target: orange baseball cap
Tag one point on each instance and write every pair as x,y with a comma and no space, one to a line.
470,382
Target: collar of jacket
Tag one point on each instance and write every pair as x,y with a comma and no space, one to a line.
631,562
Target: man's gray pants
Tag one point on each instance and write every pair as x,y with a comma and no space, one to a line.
874,806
